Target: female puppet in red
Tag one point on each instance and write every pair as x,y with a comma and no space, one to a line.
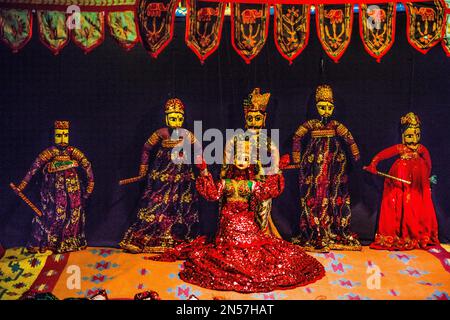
242,258
407,216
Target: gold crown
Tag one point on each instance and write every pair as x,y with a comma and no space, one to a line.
256,101
174,105
64,125
324,93
410,120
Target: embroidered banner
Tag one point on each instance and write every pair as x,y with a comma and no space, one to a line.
204,23
249,28
156,22
446,39
91,31
291,29
15,28
377,28
334,28
425,24
62,5
53,31
122,25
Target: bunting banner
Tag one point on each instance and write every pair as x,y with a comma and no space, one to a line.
425,24
446,39
156,23
123,27
291,29
204,23
152,23
89,34
249,28
53,30
377,28
62,5
15,28
334,28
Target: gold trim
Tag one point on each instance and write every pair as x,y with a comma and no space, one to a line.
338,246
323,133
135,249
171,143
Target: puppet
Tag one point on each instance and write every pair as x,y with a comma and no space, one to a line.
407,217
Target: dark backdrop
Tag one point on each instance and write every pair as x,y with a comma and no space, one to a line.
115,99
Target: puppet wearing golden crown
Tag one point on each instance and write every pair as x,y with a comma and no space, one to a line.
324,198
168,210
262,150
59,223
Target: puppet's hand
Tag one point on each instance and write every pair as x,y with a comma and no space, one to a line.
371,168
201,165
284,161
434,179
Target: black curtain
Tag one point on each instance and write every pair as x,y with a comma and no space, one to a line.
114,101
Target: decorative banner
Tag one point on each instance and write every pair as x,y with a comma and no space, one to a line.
377,28
291,29
53,31
425,24
156,22
15,28
123,27
62,5
446,39
249,28
91,31
334,28
204,23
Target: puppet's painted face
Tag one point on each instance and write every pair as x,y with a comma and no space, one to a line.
242,160
174,120
325,109
255,120
411,138
62,137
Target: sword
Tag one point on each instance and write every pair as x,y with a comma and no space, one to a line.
292,166
391,177
25,199
130,180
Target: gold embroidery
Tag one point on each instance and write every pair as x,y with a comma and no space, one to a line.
323,133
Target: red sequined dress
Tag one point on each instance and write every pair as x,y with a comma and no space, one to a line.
242,258
407,216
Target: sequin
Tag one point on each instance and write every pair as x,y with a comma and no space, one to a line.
242,258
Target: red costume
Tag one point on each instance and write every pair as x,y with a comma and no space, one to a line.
242,258
407,216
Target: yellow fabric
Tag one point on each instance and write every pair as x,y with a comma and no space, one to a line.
272,229
18,271
404,275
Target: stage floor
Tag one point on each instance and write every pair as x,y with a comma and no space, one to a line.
416,274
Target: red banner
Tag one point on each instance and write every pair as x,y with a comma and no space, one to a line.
249,29
377,28
156,22
291,29
275,2
425,24
334,28
204,23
